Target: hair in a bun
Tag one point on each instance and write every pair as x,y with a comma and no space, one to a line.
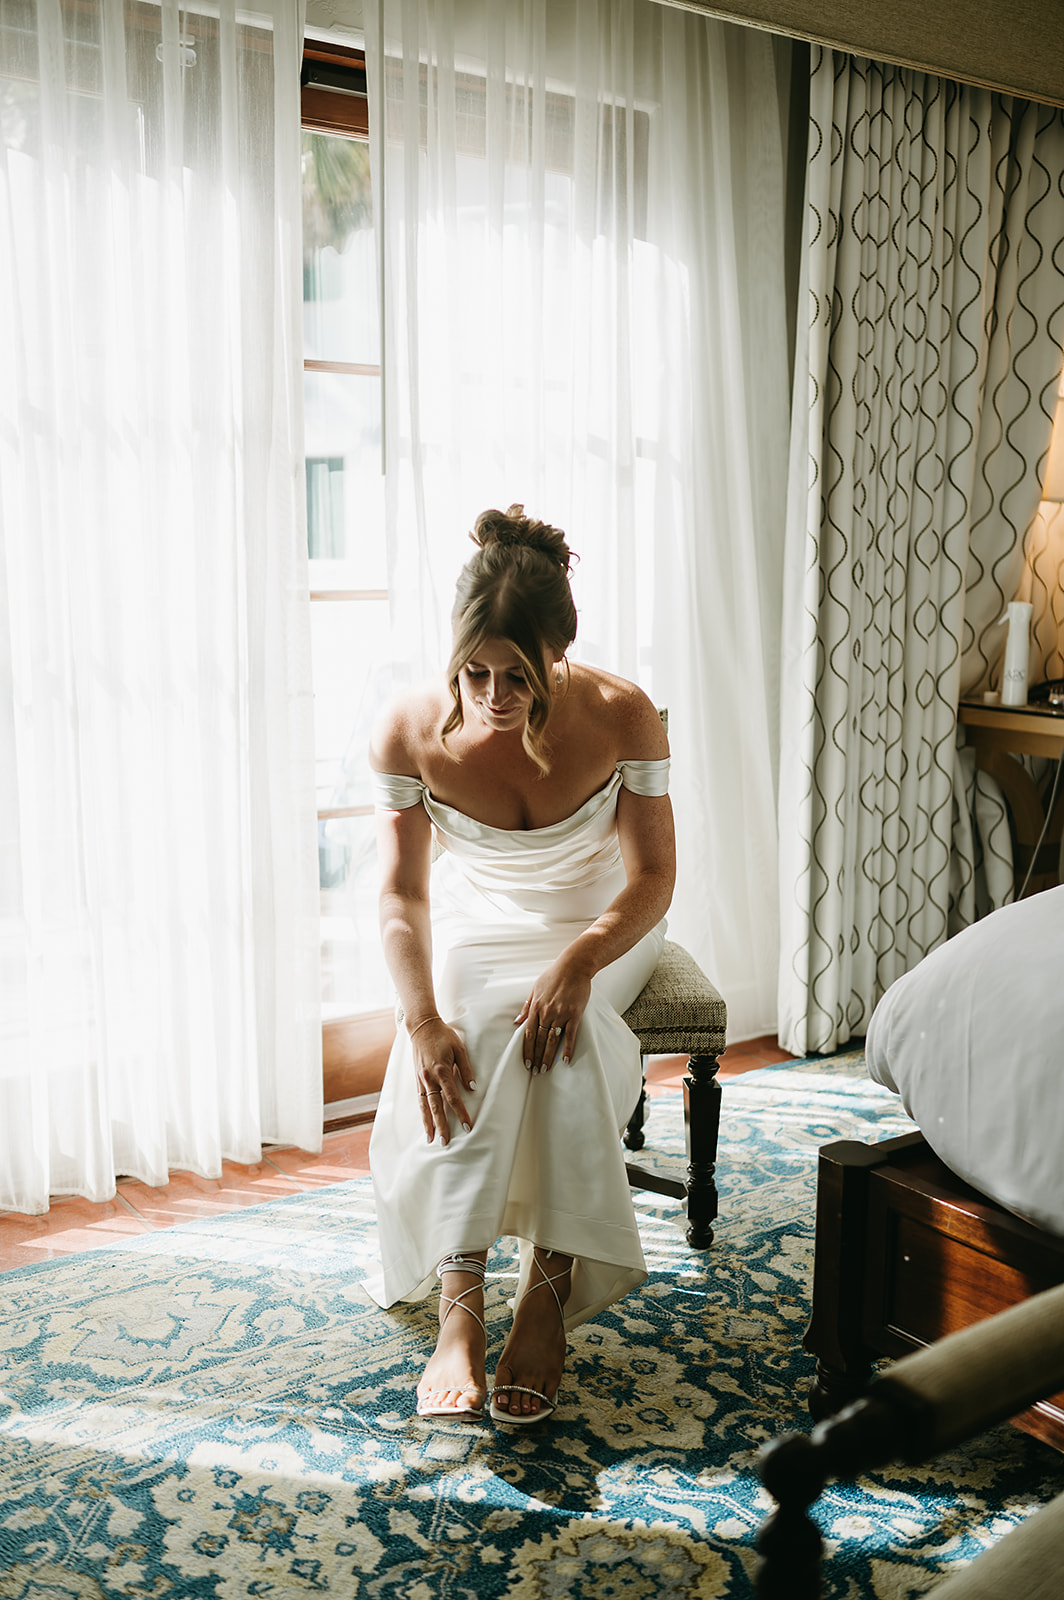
515,588
512,527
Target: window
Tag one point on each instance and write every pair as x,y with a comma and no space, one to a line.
345,528
344,488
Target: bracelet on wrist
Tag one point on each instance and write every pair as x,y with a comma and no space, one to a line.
435,1017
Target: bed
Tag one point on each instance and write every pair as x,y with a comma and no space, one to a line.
906,1252
923,1235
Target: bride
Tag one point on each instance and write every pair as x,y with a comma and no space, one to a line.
544,787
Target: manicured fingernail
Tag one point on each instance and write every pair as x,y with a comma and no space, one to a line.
472,1083
565,1061
468,1126
528,1064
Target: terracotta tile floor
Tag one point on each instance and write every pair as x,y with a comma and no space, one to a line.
74,1224
668,1072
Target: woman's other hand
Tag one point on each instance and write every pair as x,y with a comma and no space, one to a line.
441,1066
552,1013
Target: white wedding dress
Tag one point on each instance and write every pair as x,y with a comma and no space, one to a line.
543,1162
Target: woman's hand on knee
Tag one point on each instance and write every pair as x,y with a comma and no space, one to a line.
552,1013
442,1070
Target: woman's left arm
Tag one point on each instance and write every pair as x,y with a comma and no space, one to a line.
560,994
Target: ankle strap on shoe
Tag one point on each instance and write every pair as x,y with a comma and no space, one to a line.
476,1269
460,1263
545,1280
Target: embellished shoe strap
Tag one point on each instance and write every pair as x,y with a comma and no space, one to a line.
520,1388
460,1263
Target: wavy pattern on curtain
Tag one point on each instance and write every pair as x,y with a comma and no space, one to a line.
585,311
925,381
158,886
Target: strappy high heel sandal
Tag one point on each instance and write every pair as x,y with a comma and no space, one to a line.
425,1407
550,1402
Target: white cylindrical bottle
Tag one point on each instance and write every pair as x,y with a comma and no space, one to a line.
1017,654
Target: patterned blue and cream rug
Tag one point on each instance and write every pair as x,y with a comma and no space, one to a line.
218,1410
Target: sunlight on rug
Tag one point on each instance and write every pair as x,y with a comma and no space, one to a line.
219,1410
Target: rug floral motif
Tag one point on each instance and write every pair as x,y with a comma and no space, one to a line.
219,1410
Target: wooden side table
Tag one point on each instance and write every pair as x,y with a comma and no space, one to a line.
998,735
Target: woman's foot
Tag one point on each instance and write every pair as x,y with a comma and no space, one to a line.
454,1382
531,1365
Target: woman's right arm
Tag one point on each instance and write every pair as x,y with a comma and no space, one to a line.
404,850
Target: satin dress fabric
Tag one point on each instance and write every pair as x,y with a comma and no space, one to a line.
543,1162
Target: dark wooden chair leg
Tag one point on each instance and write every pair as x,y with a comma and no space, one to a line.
794,1469
642,1177
789,1541
701,1109
634,1137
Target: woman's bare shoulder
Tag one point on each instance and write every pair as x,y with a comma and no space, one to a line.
406,729
628,713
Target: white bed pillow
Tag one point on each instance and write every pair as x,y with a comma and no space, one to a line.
972,1039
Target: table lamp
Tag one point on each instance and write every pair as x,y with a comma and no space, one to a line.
1053,487
1053,491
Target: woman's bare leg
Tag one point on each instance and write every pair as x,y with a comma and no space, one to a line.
534,1354
455,1376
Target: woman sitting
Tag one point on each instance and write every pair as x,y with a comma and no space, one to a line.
545,785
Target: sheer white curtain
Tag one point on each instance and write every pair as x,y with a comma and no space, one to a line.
929,353
158,881
582,226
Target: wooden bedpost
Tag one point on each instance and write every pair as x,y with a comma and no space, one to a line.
835,1334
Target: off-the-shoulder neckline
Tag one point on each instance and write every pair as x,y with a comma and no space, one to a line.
549,827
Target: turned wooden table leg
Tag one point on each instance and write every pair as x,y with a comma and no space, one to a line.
701,1109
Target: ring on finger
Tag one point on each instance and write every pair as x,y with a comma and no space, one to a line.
557,1032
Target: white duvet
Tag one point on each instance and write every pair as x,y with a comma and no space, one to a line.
972,1039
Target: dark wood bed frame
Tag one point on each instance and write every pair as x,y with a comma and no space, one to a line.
905,1253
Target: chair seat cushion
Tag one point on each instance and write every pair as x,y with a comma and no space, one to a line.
679,1012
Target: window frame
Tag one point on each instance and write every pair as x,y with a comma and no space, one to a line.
355,1047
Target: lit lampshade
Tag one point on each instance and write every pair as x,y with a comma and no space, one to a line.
1053,488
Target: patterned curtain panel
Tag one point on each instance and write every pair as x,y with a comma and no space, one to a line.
925,381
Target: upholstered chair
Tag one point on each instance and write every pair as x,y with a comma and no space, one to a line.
681,1013
941,1396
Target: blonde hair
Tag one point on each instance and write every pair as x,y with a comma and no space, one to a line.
515,588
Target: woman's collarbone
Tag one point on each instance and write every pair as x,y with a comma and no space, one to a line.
515,797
